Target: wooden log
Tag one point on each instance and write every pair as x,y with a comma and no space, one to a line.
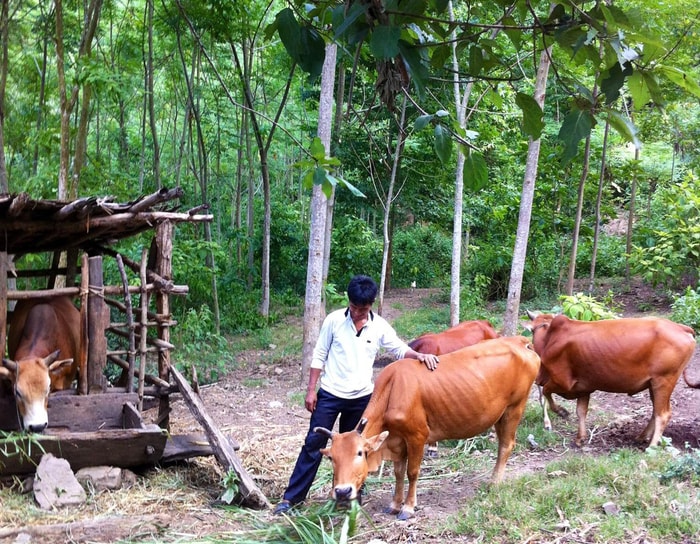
75,291
84,333
97,342
162,247
248,492
160,344
153,380
179,447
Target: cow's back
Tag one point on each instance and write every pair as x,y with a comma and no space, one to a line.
38,327
461,335
464,396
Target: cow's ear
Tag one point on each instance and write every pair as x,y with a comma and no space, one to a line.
527,325
5,372
375,442
326,452
57,365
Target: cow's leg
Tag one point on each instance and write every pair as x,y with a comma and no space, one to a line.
581,413
545,415
557,409
661,402
415,455
399,476
506,427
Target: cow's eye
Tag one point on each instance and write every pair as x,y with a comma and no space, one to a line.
360,453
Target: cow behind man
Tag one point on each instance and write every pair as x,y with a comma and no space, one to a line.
474,388
466,333
39,331
617,355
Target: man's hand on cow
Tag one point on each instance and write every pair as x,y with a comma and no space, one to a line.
430,360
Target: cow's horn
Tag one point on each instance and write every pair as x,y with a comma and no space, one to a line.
361,425
531,315
324,431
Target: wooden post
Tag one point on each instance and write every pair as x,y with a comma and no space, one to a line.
163,246
131,353
84,332
143,326
97,342
3,300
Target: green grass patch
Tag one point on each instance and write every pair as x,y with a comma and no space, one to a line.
571,496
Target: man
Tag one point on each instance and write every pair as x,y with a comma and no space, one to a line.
342,367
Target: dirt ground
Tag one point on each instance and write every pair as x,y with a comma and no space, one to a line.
259,405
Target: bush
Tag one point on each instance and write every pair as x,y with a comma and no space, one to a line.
422,254
686,308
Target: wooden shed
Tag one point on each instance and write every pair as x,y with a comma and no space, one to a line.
98,422
101,423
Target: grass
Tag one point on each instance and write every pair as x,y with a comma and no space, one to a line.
570,498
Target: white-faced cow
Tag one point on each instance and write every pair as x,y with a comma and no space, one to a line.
472,389
39,331
466,333
617,355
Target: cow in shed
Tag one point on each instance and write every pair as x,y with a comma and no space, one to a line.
625,355
41,330
474,388
466,333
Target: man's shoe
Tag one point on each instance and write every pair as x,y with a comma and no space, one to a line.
282,507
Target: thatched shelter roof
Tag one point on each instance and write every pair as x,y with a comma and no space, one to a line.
30,226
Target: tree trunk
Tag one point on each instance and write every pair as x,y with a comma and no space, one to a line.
313,308
149,95
598,203
4,31
577,221
510,317
395,167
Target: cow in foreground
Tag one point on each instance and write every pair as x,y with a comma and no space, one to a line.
474,388
39,331
618,356
466,333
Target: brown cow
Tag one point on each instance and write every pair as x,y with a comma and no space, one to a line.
474,388
461,335
617,355
466,333
40,330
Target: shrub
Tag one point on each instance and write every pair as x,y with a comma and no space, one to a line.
686,308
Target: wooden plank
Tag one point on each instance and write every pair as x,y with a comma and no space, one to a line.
125,448
73,412
248,492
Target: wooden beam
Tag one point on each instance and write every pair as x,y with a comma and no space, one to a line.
248,493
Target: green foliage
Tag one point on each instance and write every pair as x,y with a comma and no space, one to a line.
610,256
667,246
230,483
421,254
354,250
201,346
685,467
686,308
587,308
19,444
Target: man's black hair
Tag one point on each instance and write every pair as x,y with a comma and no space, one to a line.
362,290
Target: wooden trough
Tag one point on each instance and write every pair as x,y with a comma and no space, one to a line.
126,326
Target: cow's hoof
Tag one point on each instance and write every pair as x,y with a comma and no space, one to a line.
404,515
390,510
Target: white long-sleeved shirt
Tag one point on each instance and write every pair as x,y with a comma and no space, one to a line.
346,355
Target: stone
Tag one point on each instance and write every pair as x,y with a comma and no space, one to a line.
55,485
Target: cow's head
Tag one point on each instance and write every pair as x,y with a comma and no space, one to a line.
352,457
31,382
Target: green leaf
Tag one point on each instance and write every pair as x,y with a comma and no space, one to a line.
313,52
624,127
319,175
443,144
349,18
613,82
419,72
476,174
384,42
639,90
290,32
533,116
476,60
422,122
680,78
576,126
318,151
